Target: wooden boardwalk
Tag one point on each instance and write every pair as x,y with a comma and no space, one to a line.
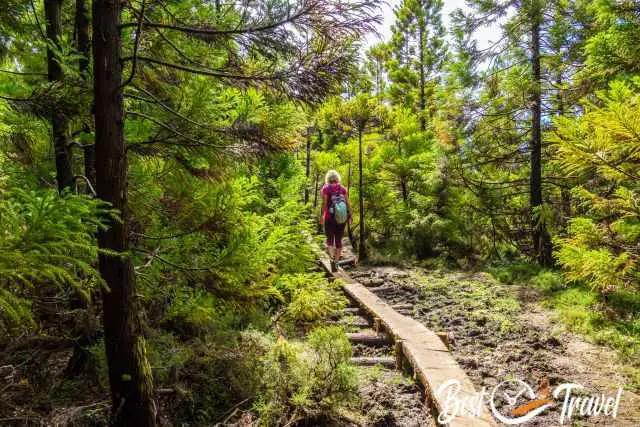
421,348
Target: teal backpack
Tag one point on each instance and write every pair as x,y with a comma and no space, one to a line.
338,206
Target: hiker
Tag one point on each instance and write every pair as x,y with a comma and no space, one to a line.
336,212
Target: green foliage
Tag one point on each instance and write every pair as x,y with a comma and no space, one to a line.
310,297
602,145
548,281
46,240
582,311
514,272
613,49
307,382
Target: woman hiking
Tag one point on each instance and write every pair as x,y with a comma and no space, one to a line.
336,212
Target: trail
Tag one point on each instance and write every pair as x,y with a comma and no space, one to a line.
498,332
388,397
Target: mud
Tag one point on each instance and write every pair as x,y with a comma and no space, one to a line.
499,332
389,400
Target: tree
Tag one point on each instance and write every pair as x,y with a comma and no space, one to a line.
600,149
129,373
533,22
83,45
419,53
59,123
277,59
356,117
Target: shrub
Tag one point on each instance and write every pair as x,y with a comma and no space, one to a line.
46,240
309,381
548,281
310,297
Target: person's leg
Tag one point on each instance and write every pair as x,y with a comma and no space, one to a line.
339,232
329,232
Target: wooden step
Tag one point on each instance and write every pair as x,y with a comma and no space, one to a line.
387,362
359,322
352,310
373,282
369,338
402,306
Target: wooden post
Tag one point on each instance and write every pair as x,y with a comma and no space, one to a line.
399,355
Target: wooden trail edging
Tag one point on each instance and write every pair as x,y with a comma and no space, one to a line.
428,356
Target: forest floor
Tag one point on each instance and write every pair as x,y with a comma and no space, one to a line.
391,399
499,332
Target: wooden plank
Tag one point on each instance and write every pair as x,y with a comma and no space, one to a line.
369,338
430,358
388,362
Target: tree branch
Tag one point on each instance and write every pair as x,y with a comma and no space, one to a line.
205,72
136,46
20,73
227,32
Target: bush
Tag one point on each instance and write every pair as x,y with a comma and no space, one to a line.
46,240
514,272
310,297
548,281
309,381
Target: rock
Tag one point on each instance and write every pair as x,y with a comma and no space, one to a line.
552,342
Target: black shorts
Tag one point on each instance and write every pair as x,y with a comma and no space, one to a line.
334,232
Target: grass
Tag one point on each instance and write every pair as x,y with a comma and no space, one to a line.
611,319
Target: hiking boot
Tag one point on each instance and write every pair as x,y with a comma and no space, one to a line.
334,266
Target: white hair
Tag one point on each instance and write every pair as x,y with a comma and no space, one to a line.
332,177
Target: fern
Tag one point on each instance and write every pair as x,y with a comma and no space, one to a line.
46,239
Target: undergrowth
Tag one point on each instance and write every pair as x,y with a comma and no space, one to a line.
611,319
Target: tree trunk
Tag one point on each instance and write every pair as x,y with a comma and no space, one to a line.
541,238
315,191
403,179
59,123
565,195
308,167
84,46
352,238
423,103
362,248
129,372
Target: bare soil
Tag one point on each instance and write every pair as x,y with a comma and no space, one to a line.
499,332
390,399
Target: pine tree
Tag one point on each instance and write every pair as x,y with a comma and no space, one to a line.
419,52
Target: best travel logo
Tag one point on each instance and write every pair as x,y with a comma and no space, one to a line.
515,402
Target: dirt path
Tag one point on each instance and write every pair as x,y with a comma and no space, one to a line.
499,332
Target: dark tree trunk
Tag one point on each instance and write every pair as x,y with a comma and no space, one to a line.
315,201
423,103
82,33
403,179
565,195
84,46
362,247
59,123
541,238
315,191
352,238
308,167
129,372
